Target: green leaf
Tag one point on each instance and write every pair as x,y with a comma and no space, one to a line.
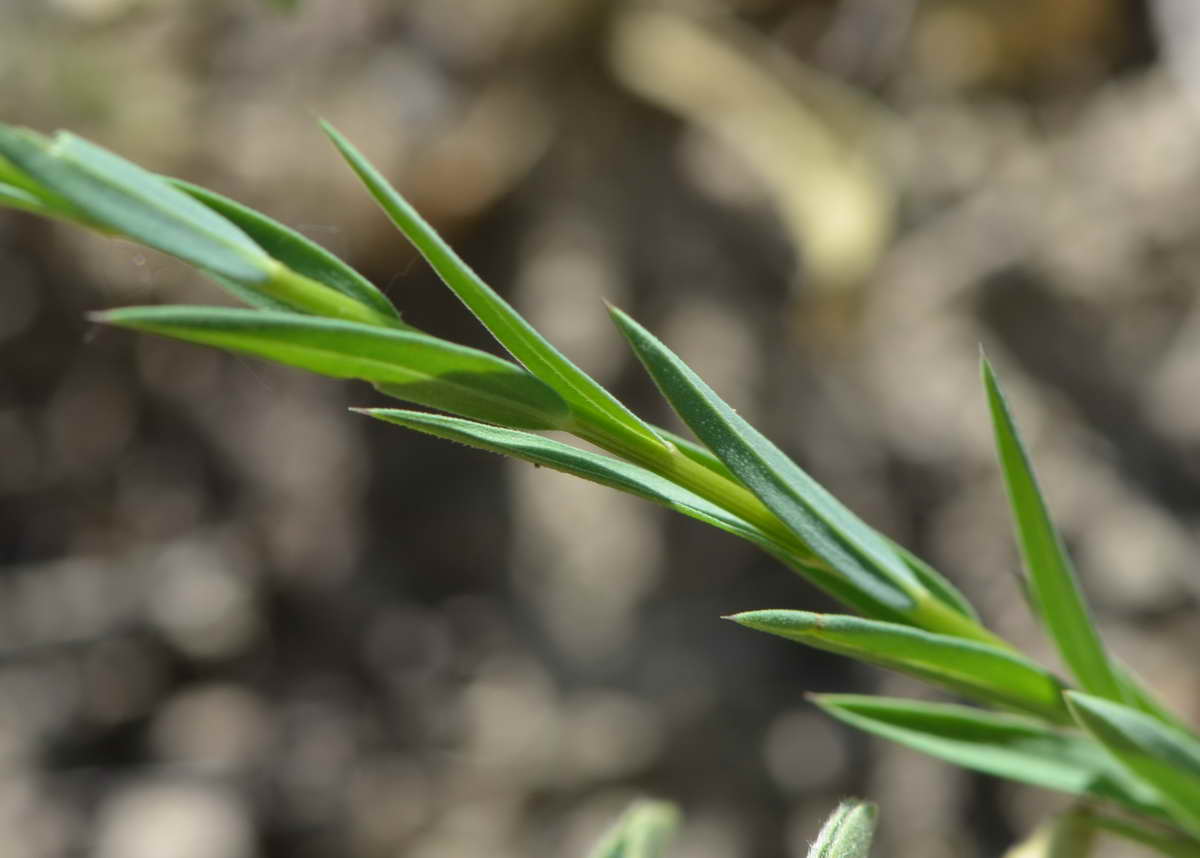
866,559
643,831
405,364
1008,746
623,476
80,181
131,201
620,431
1166,759
296,251
970,667
595,467
847,832
1058,600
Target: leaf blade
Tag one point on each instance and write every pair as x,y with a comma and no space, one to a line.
296,251
407,364
129,200
973,668
1055,588
594,467
614,473
1014,747
509,328
1166,759
843,542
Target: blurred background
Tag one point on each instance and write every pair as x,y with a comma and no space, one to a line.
237,621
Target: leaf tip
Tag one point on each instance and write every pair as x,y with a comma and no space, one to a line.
1090,712
377,413
333,134
750,619
622,319
1076,699
985,367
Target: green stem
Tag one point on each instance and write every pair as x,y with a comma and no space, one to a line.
670,462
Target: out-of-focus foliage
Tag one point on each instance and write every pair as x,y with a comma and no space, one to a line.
227,625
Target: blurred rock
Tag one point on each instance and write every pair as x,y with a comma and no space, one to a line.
201,601
216,730
173,819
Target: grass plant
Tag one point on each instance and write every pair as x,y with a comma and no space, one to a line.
1097,734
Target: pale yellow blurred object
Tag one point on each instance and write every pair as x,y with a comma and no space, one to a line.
1066,835
808,139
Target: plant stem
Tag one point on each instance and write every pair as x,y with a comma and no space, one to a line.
668,461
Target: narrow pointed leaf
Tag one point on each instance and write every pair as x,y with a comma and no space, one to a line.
831,531
847,833
296,251
1008,746
585,396
595,467
620,475
972,668
1059,601
406,364
643,831
627,477
132,201
1166,759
